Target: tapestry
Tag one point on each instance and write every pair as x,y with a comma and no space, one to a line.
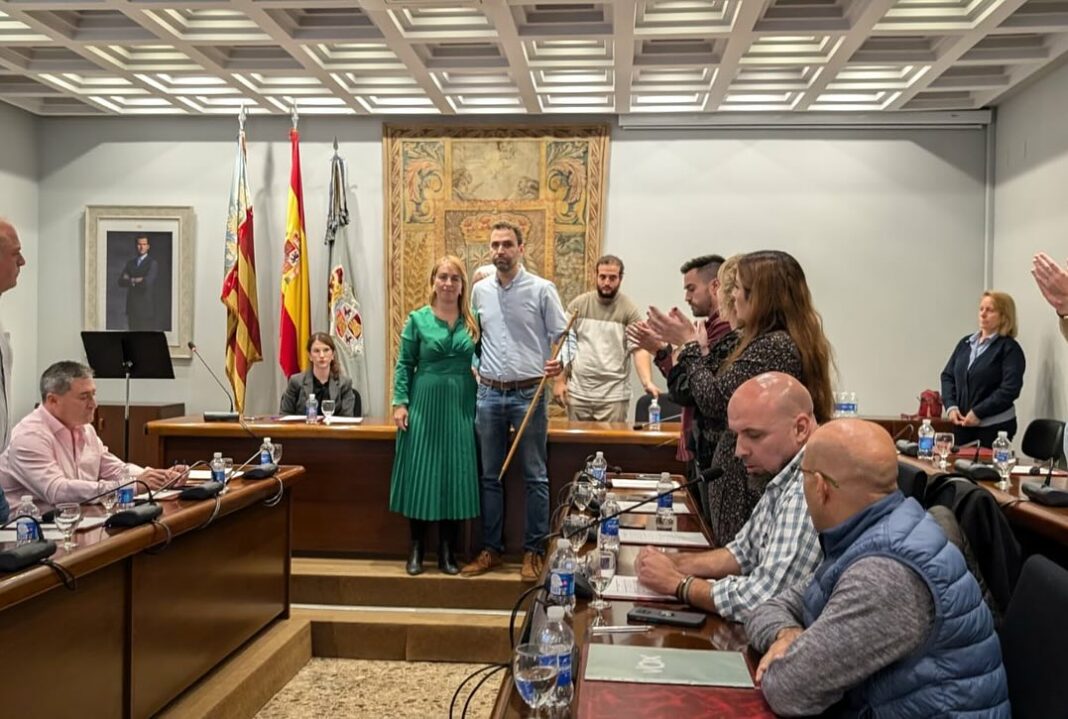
447,186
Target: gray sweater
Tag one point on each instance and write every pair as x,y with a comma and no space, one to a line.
879,612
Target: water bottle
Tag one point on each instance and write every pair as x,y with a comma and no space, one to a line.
556,643
665,506
608,534
1003,457
599,468
218,469
839,405
851,404
311,410
562,576
25,529
124,495
654,415
266,451
927,435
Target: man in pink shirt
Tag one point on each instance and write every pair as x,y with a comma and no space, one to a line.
55,454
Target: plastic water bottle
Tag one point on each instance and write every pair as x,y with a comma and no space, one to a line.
654,415
25,529
851,404
1003,455
926,436
124,495
311,410
665,506
562,576
266,451
599,468
556,644
218,469
608,534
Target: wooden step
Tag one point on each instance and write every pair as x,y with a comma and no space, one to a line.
408,634
242,684
379,582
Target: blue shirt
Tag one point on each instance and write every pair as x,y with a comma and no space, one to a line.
978,346
520,321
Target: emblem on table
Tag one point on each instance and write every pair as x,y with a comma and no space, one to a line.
651,664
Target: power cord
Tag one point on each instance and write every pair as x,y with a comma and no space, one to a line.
64,574
479,686
469,677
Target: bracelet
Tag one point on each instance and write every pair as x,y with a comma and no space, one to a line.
683,588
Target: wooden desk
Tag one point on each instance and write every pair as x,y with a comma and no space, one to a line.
618,700
343,507
143,626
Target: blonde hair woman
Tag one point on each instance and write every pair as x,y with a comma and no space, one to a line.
435,472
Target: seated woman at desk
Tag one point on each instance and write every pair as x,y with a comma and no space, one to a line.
324,380
984,375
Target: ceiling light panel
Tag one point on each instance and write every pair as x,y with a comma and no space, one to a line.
813,16
14,31
326,24
685,17
547,20
210,25
790,49
936,15
367,56
145,58
417,23
568,53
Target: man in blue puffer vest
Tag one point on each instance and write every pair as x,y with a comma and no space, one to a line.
891,624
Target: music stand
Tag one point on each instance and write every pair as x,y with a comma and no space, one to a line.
128,355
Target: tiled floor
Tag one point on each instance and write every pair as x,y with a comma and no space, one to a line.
354,688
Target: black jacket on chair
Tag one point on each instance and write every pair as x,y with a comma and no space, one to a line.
992,384
301,385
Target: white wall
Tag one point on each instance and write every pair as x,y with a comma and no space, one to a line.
880,220
1031,214
18,203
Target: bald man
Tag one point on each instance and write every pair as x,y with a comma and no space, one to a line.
772,416
892,623
11,262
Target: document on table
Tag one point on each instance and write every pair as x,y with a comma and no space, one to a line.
638,483
160,496
662,539
663,665
203,475
1025,469
333,420
650,508
630,588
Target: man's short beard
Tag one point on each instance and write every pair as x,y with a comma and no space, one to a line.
607,296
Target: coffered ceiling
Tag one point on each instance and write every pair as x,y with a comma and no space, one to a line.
144,57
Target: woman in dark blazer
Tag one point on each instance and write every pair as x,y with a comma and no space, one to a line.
323,379
984,375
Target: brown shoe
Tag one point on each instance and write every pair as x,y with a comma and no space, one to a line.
484,562
532,566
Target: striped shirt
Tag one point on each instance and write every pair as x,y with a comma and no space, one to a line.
777,548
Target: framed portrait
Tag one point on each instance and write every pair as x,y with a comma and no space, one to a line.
139,271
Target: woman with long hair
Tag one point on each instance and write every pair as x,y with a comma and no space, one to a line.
323,379
779,330
435,470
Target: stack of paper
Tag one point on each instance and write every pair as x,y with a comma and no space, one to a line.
660,665
662,539
650,508
630,588
628,483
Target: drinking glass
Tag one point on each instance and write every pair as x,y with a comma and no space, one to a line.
581,494
328,410
943,445
534,676
228,469
600,568
276,452
576,530
67,517
108,503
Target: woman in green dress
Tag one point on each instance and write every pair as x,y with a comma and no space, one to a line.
435,470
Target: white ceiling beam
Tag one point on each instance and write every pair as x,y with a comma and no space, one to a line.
500,14
741,38
624,17
1021,75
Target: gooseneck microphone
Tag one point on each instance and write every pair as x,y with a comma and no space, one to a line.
209,416
645,425
907,448
25,555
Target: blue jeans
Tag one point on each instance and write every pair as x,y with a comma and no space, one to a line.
497,412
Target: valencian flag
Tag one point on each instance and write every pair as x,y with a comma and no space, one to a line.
295,323
342,300
243,347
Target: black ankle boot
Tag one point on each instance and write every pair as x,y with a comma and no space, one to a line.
415,558
446,562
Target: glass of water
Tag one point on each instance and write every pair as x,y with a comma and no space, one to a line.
600,568
576,530
228,469
328,410
943,446
67,518
276,452
581,494
534,676
108,503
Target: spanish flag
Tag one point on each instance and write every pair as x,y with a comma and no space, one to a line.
295,322
243,347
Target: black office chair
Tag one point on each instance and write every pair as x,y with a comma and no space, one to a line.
1043,440
1033,637
912,481
669,411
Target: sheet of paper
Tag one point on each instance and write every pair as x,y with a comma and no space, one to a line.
1025,469
650,508
345,420
627,483
630,588
662,539
664,665
50,532
160,496
203,475
290,418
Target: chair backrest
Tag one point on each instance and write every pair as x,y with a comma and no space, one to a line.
667,408
912,481
1033,637
1044,439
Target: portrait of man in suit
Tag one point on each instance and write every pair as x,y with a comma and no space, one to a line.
139,280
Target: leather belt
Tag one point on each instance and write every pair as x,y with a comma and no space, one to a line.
509,386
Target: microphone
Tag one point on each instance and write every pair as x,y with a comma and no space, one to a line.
25,555
909,449
976,471
645,425
910,428
230,416
1044,492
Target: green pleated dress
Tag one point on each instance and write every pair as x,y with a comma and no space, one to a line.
435,470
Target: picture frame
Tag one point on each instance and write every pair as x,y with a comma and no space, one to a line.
139,271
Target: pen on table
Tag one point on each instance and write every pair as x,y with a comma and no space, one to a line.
622,629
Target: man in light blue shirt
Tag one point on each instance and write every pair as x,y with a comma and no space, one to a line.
521,316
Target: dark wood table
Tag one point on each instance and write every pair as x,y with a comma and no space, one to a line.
343,507
147,618
620,700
